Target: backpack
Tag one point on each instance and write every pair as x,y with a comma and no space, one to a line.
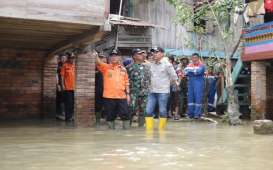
268,5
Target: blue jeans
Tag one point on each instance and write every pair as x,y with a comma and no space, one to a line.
161,99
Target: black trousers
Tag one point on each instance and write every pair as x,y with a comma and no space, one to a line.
268,17
59,102
116,107
98,103
69,104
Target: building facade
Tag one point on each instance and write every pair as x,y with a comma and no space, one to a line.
31,33
258,51
176,37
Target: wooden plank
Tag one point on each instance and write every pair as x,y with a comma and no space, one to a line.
46,24
135,42
89,12
47,44
29,46
161,13
32,36
258,56
134,45
134,37
29,34
90,36
54,35
17,27
43,25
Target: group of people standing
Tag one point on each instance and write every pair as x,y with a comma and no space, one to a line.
149,85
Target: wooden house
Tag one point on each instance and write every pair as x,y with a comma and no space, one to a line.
126,33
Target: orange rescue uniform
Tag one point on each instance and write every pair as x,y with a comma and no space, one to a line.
68,74
115,80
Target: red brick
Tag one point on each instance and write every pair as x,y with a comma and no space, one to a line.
20,84
84,94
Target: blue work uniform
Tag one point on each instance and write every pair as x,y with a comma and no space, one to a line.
195,75
211,92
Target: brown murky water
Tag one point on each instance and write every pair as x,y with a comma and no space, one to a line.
196,146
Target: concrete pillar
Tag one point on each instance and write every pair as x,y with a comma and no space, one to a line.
49,87
258,90
85,90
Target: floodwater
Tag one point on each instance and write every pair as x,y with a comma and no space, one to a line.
184,145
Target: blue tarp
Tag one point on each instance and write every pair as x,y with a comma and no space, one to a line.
189,52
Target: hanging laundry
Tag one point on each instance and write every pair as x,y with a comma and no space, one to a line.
268,5
255,7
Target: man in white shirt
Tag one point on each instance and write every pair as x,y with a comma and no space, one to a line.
162,74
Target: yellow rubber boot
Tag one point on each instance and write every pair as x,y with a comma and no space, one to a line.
149,121
162,123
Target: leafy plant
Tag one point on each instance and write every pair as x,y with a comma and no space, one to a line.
219,13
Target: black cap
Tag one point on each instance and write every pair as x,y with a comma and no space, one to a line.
114,52
157,49
138,51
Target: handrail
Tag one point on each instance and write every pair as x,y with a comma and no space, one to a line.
234,75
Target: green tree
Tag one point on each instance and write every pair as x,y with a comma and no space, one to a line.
219,12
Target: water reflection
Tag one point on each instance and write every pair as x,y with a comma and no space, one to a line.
184,145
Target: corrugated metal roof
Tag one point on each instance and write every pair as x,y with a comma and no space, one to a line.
132,23
121,20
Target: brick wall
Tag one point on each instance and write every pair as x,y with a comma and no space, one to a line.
49,87
85,90
258,90
20,84
28,86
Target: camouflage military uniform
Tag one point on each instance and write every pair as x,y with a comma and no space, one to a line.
139,78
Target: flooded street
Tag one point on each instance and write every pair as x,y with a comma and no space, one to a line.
185,145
